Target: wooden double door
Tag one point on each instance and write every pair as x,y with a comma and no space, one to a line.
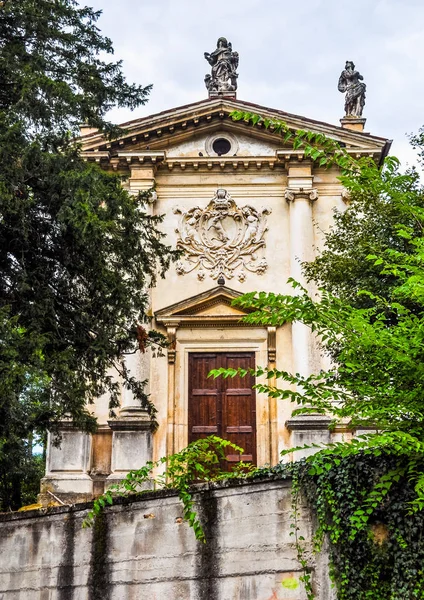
225,407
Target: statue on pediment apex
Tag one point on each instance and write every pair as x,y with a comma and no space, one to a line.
224,63
351,82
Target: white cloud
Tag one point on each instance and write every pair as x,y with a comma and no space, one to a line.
291,54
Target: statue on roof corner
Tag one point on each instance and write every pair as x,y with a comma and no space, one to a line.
350,81
224,63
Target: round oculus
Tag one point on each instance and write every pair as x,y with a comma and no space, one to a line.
221,146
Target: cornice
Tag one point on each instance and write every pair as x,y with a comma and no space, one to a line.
124,158
184,312
218,290
192,116
287,155
98,156
209,162
129,424
205,321
141,156
280,160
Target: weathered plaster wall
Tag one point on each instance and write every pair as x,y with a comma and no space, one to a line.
144,550
260,171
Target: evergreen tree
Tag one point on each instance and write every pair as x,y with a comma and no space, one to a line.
78,253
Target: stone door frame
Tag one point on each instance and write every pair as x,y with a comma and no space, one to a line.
179,375
204,323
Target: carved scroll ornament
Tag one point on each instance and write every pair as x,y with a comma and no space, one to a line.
222,239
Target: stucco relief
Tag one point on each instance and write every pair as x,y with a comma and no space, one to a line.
222,239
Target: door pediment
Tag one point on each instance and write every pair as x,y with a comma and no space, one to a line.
209,308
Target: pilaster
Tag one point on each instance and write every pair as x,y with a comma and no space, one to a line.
142,166
171,330
131,429
301,227
300,195
142,177
272,402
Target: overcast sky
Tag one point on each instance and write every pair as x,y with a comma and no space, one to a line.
291,55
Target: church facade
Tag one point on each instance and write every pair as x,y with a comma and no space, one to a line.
245,209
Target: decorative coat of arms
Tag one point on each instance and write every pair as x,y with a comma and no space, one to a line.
222,238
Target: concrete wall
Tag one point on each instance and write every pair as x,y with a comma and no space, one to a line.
144,550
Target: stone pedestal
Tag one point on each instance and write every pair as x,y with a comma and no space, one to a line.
131,430
307,430
131,444
353,123
225,94
67,469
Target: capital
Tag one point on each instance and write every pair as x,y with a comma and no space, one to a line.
291,194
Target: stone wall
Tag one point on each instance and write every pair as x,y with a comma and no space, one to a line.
144,550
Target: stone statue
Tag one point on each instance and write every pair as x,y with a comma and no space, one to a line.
350,81
224,63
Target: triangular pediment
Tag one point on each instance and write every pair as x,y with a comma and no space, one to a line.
213,306
165,131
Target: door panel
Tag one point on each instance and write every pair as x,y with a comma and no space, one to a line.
204,410
224,407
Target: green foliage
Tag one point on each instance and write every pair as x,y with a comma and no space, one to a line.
302,556
201,461
384,217
377,354
20,472
377,344
369,318
375,340
363,503
52,73
325,151
78,253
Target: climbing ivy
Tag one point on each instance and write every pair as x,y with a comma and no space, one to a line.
362,494
364,505
317,146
